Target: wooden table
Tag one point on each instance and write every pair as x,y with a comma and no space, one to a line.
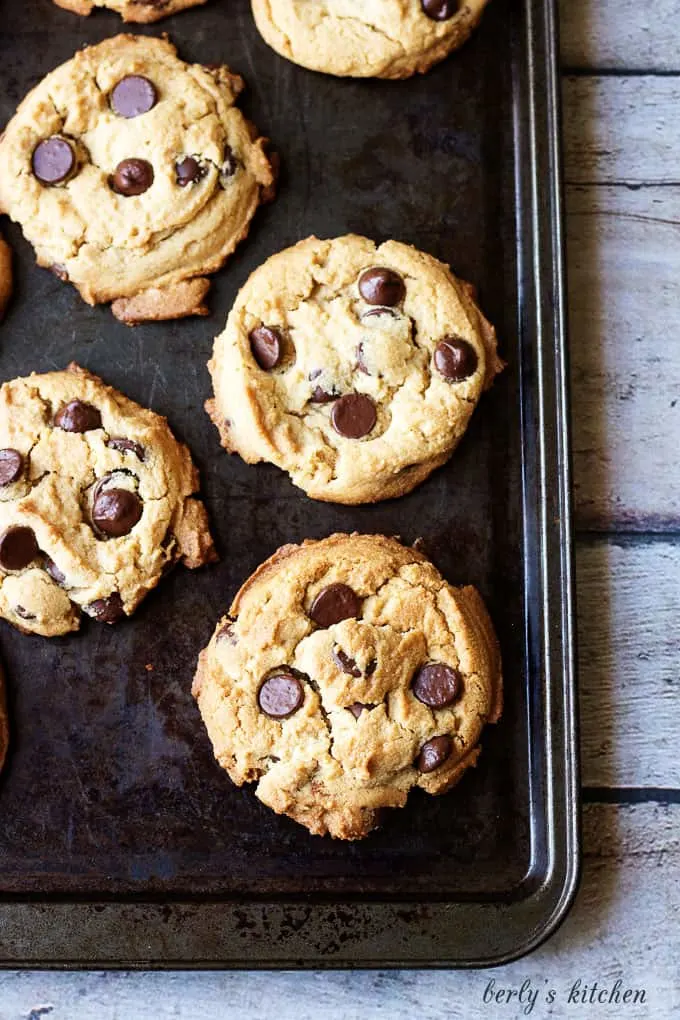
622,155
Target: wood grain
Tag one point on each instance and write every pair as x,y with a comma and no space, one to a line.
621,130
629,605
624,268
620,34
623,926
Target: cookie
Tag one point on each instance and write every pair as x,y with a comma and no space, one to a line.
133,174
138,11
5,276
347,672
389,39
355,368
96,502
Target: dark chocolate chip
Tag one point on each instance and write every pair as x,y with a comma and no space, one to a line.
345,662
24,613
334,603
116,511
381,286
107,610
358,707
18,548
374,315
188,170
455,359
59,272
322,396
54,571
53,160
11,466
280,695
440,10
229,164
226,633
132,177
125,445
361,360
437,684
434,753
133,95
77,416
266,346
354,415
371,667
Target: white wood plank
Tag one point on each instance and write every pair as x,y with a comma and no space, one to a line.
620,34
624,305
623,926
629,606
622,129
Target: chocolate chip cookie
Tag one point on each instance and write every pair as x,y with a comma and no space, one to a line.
96,502
347,672
133,174
390,39
355,368
5,276
138,11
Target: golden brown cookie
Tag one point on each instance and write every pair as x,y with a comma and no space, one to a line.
353,367
97,501
367,38
347,672
133,175
136,11
5,276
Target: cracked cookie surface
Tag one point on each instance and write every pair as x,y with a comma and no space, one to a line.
355,368
96,502
132,174
367,38
136,11
347,672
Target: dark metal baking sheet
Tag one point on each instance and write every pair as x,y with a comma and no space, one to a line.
121,842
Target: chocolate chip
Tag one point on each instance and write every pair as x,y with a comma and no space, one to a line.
437,684
226,633
59,272
24,613
18,548
188,170
371,667
345,662
322,396
266,346
54,571
380,286
125,445
53,160
11,466
280,695
107,610
358,707
434,753
361,360
229,165
354,415
374,315
132,177
440,10
116,511
334,603
133,95
455,359
77,416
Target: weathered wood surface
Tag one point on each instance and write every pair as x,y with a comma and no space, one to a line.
624,926
620,35
624,273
